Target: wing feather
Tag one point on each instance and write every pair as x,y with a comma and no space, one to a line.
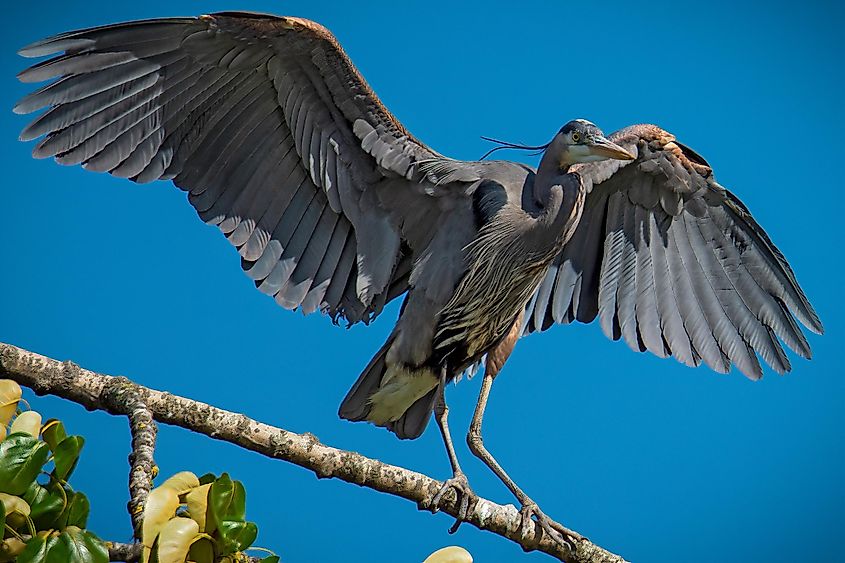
689,304
725,312
611,270
673,263
271,131
328,267
542,296
674,333
626,288
647,310
302,278
762,306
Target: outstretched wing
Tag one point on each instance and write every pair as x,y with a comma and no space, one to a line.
271,130
673,263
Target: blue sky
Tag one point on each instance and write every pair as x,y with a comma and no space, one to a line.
651,459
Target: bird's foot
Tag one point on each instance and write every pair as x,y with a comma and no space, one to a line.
458,482
530,513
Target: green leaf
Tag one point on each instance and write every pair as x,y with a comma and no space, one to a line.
21,459
66,455
236,536
182,482
220,497
46,505
77,546
36,549
450,554
10,394
17,511
227,499
202,551
53,433
270,559
208,478
10,548
2,519
96,547
237,509
28,422
64,550
175,540
77,511
161,505
197,502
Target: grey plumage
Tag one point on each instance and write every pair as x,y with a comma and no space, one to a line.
679,259
334,206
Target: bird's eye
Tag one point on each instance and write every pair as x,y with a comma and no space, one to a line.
576,137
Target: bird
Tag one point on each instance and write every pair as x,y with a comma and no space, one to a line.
334,206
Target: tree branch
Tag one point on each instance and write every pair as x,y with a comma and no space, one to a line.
128,552
96,391
142,469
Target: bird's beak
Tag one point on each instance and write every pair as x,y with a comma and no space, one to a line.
605,148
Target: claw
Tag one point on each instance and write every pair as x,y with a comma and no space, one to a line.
561,534
464,494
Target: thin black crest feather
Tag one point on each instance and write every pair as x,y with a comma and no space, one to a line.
508,145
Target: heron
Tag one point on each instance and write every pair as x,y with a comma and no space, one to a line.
333,206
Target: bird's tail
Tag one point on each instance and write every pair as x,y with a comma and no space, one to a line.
397,397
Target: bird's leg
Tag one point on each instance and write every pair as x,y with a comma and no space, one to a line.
458,481
529,508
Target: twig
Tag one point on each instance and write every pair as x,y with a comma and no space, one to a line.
125,399
67,380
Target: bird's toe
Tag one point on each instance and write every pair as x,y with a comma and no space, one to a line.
531,513
464,495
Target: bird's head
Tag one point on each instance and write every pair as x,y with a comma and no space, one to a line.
581,141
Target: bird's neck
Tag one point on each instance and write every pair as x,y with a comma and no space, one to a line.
553,164
558,193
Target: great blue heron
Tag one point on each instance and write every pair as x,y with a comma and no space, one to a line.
334,206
